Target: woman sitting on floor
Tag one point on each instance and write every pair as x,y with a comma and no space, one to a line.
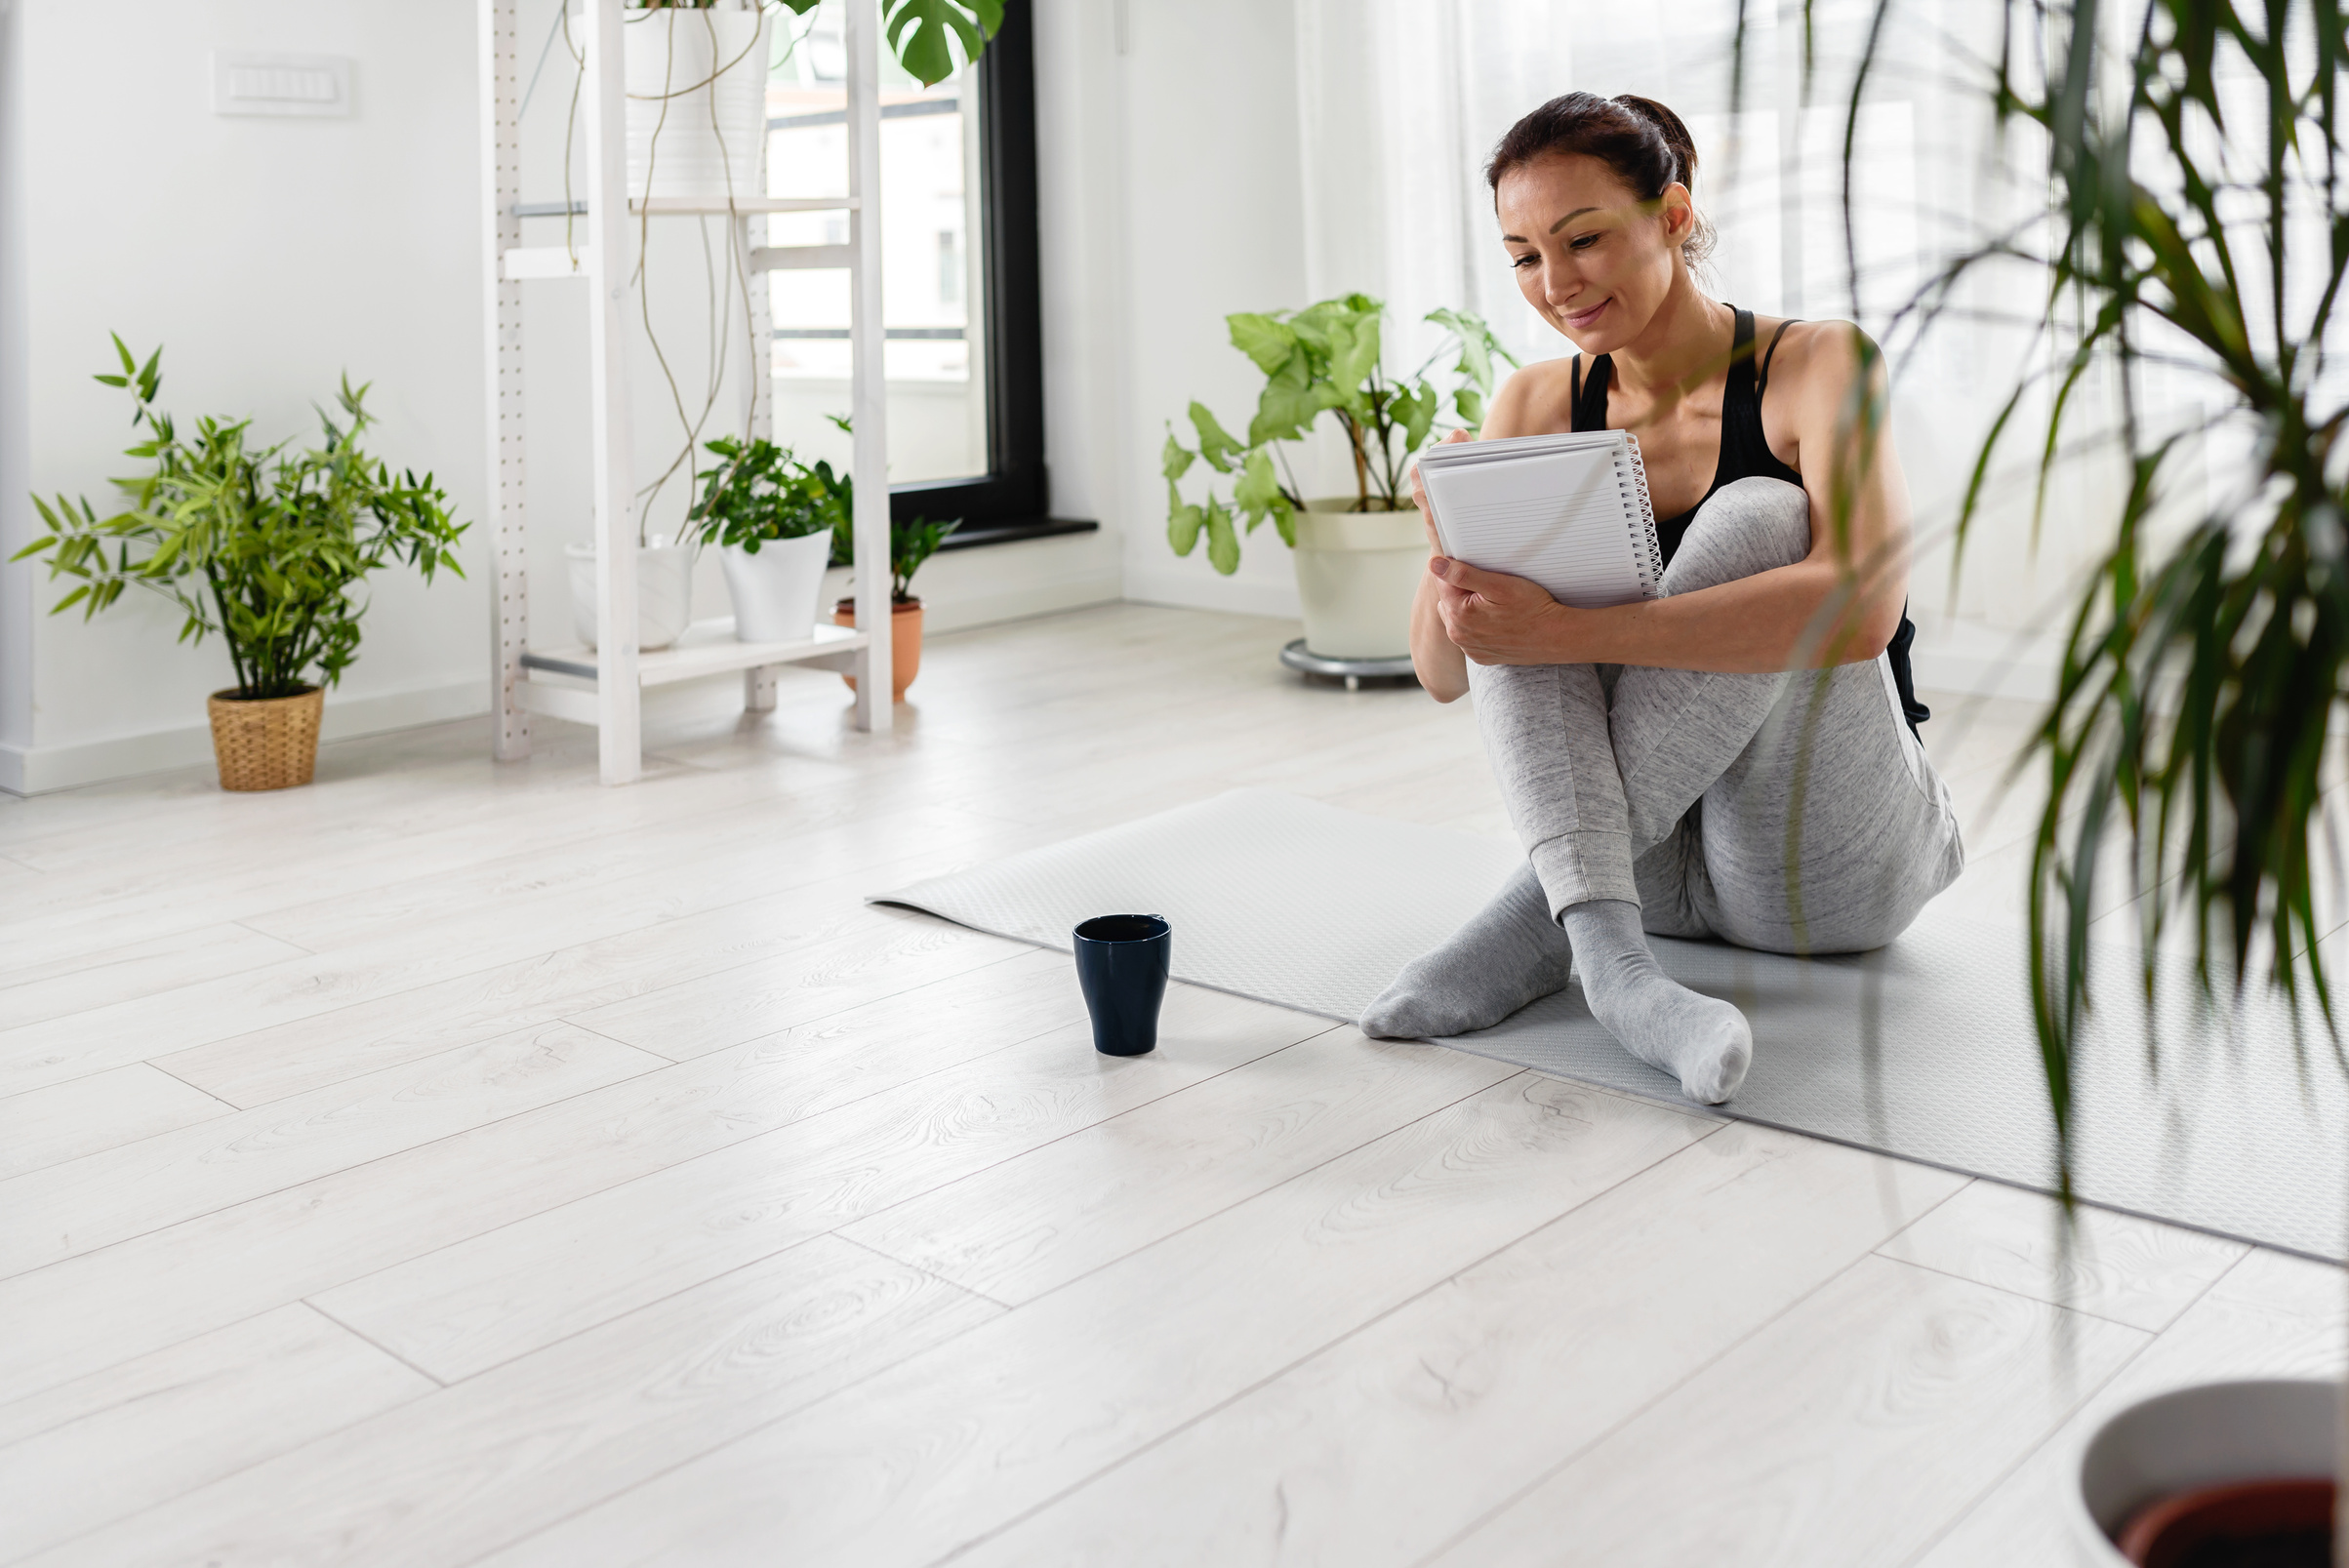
1665,770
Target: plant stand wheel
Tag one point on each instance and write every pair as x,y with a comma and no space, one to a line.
1352,671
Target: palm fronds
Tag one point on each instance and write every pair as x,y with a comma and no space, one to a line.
2193,215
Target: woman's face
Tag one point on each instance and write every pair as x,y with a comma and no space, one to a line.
1590,256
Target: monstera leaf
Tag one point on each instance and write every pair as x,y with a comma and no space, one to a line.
923,33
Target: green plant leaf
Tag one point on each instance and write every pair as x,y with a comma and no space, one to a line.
1479,347
923,33
1182,522
1262,339
1290,405
1355,351
1215,442
1415,412
1223,541
1175,460
1257,495
910,545
1471,408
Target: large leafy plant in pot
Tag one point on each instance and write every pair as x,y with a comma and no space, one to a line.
266,547
1355,570
2196,220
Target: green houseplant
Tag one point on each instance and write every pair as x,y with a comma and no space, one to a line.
2196,220
923,35
1355,573
772,520
764,487
911,544
266,547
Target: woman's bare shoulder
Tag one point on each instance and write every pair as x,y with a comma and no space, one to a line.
1537,399
1814,361
1804,348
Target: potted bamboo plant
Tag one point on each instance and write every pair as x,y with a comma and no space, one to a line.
1357,557
2194,220
266,547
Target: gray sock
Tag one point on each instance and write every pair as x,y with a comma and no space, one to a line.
1509,954
1701,1041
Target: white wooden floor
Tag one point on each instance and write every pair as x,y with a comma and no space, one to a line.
453,1163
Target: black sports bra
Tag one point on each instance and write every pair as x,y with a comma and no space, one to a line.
1745,453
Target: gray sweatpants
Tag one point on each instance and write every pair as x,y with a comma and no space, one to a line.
1789,812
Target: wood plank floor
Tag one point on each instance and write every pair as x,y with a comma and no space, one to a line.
455,1163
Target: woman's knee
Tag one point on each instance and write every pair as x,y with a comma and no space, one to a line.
1747,527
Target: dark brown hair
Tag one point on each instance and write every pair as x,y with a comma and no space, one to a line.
1641,141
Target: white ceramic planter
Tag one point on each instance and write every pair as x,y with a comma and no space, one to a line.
778,591
1357,572
709,70
664,595
2207,1435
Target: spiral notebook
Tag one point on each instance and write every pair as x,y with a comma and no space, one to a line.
1569,511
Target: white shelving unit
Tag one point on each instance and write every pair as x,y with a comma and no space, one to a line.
604,687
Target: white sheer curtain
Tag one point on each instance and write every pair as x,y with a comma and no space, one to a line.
1400,101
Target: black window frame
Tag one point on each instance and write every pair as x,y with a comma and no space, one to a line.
1011,500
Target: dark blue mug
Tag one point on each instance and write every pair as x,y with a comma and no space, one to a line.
1121,962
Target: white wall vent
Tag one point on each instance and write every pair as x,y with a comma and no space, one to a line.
280,84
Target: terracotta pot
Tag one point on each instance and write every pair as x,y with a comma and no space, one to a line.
2262,1521
2212,1474
269,742
905,643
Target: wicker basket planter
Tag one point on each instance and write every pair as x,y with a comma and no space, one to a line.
269,742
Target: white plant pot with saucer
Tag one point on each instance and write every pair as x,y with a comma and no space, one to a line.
778,591
2208,1435
707,70
1357,573
664,595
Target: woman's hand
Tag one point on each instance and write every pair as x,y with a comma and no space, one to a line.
1496,618
1442,671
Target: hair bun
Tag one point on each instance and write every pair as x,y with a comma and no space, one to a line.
1668,125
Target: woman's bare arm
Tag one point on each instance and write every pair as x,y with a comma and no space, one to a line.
1840,604
1442,667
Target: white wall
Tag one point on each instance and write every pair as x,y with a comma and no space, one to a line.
1213,204
269,255
15,510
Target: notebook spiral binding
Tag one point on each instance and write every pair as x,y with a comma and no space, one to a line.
1648,509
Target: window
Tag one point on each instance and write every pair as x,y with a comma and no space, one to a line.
960,316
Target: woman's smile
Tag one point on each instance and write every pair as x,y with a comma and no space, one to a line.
1577,320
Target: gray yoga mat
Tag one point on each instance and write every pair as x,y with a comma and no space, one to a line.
1923,1050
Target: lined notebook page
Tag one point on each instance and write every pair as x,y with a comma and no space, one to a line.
1569,511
